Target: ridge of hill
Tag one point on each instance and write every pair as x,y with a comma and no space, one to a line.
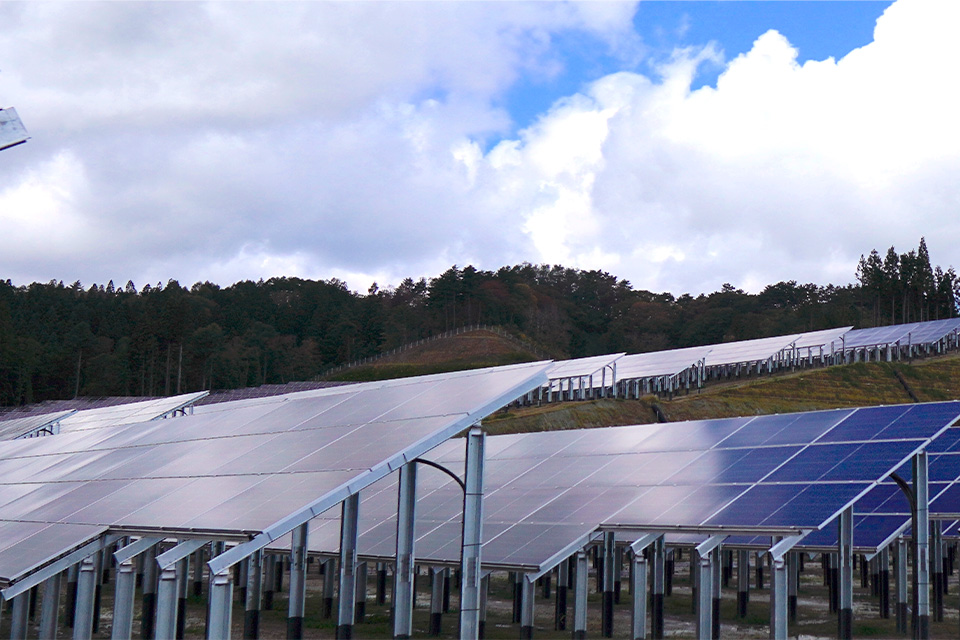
469,350
852,385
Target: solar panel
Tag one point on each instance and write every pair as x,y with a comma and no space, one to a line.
142,411
545,491
593,372
659,363
933,331
876,336
12,131
749,350
824,338
580,367
241,470
17,427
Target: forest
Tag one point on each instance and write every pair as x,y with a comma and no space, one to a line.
62,340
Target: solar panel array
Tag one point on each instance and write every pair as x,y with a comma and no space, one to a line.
128,413
231,472
547,492
32,423
914,333
884,512
264,391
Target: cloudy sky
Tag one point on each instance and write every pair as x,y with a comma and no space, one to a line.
679,145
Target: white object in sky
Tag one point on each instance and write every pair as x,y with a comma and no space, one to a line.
12,132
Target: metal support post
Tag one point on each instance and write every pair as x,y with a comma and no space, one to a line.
608,567
472,535
269,579
617,574
833,562
149,607
883,577
403,595
167,603
436,600
656,601
708,553
86,591
793,581
715,586
743,582
526,609
484,591
779,614
329,582
97,587
517,582
381,583
778,600
198,573
348,566
360,605
560,608
580,598
921,536
123,596
900,566
936,553
221,606
845,557
73,572
638,593
298,581
759,571
251,618
50,608
19,620
183,577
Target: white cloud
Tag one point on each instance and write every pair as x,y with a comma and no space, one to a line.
244,140
783,171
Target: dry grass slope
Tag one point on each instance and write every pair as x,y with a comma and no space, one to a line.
856,385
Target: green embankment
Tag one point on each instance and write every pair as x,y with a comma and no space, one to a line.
855,385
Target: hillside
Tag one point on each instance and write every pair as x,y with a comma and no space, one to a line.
471,350
861,384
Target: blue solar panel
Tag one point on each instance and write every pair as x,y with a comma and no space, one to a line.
808,427
815,505
873,459
921,422
948,501
885,497
755,464
759,432
943,468
865,424
755,504
947,441
699,435
812,463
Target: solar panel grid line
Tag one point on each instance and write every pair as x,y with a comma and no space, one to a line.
581,443
524,372
285,525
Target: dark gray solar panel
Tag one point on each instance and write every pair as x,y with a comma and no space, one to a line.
236,470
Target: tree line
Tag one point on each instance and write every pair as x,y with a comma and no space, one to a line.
904,287
60,340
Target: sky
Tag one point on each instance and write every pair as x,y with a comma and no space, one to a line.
678,145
